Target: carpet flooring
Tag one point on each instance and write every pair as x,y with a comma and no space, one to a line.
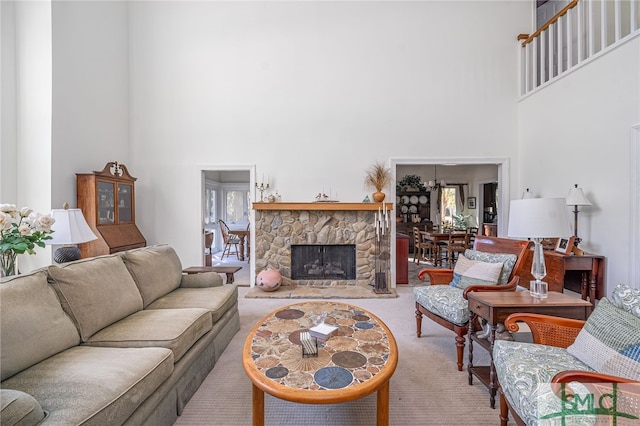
426,388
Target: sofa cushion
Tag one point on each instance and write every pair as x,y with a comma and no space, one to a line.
627,298
156,270
216,300
95,292
609,342
175,329
525,370
475,272
445,301
508,262
34,326
94,386
19,409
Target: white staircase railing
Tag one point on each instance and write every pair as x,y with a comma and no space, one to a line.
582,31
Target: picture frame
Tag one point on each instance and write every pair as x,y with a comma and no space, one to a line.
564,245
471,202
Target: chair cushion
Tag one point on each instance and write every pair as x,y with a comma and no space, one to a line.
508,262
475,272
19,408
609,342
627,298
525,371
34,326
175,329
445,301
156,270
95,292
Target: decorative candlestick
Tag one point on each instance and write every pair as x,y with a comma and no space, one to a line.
262,187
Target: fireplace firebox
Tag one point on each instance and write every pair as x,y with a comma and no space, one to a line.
323,261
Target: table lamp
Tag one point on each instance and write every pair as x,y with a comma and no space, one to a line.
70,228
538,218
576,198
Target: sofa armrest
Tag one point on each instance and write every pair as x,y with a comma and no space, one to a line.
547,329
19,408
437,276
202,279
510,286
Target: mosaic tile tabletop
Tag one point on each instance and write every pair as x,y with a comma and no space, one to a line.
354,354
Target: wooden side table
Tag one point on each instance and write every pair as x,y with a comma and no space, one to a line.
229,270
496,306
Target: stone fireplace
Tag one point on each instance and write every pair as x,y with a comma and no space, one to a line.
281,226
323,261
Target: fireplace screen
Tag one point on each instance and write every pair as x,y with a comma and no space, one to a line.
321,262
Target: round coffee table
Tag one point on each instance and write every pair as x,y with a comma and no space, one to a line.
357,360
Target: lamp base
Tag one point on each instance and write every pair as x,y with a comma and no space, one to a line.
539,289
66,254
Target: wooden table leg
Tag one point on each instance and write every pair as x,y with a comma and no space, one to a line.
241,248
382,415
230,278
258,406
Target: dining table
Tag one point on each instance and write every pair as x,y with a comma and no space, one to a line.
244,235
440,242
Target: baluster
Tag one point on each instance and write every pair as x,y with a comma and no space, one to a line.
570,16
633,15
617,11
580,18
551,44
559,40
591,33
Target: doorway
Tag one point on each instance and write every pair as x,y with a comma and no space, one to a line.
502,187
226,195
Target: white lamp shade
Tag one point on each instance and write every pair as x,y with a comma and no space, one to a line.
577,198
70,227
538,218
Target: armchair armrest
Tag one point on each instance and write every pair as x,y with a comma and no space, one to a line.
547,329
437,276
510,286
588,377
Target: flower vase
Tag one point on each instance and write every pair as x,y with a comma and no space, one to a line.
378,197
9,263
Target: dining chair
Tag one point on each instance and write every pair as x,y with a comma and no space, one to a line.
229,240
458,243
473,232
422,245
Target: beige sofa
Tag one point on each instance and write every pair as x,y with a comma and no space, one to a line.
117,339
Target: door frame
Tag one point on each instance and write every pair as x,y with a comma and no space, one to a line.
503,164
251,168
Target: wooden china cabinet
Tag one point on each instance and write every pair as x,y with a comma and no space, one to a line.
107,201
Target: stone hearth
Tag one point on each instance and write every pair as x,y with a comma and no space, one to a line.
279,225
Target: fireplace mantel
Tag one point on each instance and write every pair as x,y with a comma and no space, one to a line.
288,206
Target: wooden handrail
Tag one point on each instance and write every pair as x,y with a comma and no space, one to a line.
557,16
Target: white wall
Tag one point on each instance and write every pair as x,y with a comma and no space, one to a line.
311,93
30,107
577,131
90,91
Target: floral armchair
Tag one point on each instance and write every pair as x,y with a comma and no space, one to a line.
445,299
572,357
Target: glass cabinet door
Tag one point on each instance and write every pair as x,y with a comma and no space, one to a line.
106,202
125,213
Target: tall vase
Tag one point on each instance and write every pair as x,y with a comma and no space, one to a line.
8,263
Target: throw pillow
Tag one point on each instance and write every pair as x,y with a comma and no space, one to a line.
507,260
474,272
609,342
627,298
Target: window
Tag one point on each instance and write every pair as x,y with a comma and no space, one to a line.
237,205
449,205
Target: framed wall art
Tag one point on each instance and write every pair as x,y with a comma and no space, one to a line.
471,202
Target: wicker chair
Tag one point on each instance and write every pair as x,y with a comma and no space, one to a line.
445,276
559,333
230,240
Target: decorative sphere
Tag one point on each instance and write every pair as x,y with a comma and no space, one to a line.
269,280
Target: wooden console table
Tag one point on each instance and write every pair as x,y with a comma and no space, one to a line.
496,306
581,274
228,270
